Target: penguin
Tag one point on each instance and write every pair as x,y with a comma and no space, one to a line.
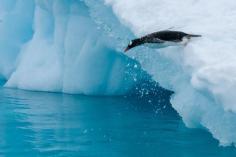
161,39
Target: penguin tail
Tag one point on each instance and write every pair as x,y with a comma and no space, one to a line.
193,35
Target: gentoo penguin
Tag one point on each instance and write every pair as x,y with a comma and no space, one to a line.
162,39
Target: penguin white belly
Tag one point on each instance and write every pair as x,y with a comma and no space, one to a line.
162,45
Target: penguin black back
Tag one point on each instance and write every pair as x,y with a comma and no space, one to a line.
167,35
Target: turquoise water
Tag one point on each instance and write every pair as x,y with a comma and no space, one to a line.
50,124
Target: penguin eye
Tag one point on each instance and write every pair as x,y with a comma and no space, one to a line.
130,43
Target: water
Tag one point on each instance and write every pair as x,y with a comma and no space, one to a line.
51,124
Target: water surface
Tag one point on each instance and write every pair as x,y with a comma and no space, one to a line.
51,124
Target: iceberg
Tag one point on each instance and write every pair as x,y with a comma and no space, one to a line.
75,46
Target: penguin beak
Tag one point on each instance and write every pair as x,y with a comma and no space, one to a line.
126,49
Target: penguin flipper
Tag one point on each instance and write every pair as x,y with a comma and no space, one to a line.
155,40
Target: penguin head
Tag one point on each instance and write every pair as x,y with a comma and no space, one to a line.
132,44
